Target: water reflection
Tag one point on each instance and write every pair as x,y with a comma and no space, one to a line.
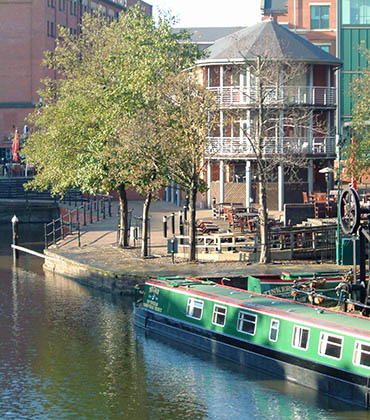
69,352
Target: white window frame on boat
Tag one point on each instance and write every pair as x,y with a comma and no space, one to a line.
297,339
241,321
324,342
216,313
194,304
274,328
357,352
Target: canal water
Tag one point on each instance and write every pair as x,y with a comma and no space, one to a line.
68,352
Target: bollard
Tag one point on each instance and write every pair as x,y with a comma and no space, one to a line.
110,207
165,226
173,223
185,214
15,221
180,218
84,207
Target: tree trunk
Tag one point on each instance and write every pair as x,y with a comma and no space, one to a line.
145,226
123,218
265,249
192,223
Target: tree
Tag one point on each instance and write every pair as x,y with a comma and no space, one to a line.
358,153
269,114
106,76
189,115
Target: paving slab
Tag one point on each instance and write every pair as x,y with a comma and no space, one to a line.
99,250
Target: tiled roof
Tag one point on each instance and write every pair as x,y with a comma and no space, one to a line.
269,40
209,35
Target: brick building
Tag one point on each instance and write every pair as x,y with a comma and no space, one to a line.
315,20
228,70
27,29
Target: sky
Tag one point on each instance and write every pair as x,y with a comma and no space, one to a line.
208,13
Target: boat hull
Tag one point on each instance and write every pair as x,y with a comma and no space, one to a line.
342,385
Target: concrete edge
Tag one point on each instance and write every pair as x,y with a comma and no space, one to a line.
104,280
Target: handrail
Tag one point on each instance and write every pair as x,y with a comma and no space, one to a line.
70,223
276,95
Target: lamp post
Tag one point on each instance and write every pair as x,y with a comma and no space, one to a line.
340,143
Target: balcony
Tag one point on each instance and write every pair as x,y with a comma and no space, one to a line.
276,96
241,148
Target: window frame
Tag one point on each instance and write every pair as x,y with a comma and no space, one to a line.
188,306
356,363
322,334
215,307
277,330
296,327
320,20
239,329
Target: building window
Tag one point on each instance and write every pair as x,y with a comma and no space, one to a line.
219,315
301,337
247,323
51,3
194,308
274,330
50,29
361,355
320,17
73,7
330,345
356,12
324,47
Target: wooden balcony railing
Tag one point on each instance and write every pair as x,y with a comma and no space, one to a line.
235,147
273,95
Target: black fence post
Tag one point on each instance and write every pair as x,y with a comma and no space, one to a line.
46,236
173,223
91,213
54,239
103,204
97,211
165,226
78,234
84,207
70,222
110,207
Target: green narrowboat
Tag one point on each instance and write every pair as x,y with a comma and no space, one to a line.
313,346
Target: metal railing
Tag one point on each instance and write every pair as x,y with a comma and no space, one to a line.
90,211
239,146
276,95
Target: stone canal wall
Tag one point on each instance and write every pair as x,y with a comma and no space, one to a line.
28,212
104,280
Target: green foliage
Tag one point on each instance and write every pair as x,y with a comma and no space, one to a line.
106,78
358,155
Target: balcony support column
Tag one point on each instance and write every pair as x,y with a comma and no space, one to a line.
281,187
173,192
209,183
310,177
222,181
248,183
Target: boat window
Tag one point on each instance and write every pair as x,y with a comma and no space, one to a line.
300,337
247,323
330,345
361,355
219,315
274,330
194,308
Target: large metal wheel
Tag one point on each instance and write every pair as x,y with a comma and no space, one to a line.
349,211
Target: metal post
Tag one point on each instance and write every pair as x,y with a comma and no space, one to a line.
185,213
46,235
91,213
15,221
84,207
173,223
54,239
103,203
97,211
70,221
165,226
78,234
110,207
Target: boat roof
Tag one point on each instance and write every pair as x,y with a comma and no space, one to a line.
302,313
